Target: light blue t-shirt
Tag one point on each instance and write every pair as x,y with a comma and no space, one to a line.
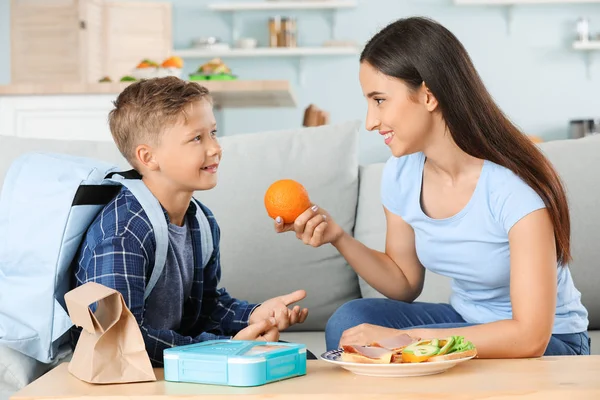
472,246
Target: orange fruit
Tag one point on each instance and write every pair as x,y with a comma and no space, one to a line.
287,199
147,64
174,62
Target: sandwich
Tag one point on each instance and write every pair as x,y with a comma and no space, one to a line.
366,355
406,349
385,351
432,350
395,343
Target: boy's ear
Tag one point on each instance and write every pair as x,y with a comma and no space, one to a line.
145,157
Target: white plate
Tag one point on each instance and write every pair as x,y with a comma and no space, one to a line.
391,370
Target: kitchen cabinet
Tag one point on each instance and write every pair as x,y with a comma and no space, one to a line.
85,40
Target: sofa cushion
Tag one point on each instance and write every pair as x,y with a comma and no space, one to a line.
370,230
578,163
257,262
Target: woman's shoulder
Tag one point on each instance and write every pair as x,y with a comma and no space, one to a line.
401,177
503,181
510,197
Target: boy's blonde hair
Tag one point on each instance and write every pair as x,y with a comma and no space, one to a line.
146,108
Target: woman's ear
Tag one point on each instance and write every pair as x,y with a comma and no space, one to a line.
145,158
429,99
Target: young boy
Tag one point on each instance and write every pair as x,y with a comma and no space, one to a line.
166,130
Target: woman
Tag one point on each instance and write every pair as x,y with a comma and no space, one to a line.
466,195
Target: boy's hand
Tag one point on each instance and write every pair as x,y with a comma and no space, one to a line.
277,308
265,331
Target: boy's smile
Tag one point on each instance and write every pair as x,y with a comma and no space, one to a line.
211,168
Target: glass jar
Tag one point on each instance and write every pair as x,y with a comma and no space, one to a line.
274,31
287,37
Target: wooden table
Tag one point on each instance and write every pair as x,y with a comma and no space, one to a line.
549,378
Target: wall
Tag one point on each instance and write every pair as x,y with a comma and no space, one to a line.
532,73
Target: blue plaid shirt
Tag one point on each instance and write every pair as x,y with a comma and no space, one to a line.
118,252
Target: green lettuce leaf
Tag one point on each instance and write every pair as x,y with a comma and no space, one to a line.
460,344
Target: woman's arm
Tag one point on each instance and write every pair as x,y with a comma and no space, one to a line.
533,296
396,273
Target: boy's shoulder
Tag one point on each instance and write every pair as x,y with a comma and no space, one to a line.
209,214
212,221
122,216
125,216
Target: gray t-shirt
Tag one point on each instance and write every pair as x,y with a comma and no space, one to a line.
164,307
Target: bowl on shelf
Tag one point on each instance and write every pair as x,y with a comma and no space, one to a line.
147,69
214,70
247,43
209,43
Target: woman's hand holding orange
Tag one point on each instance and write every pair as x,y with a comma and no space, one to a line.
314,227
288,203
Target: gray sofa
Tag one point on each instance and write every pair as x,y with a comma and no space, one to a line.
258,264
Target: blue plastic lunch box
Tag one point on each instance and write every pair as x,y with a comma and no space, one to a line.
234,362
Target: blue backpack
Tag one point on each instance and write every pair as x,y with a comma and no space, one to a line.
46,205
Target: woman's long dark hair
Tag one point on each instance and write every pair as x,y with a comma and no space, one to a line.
418,50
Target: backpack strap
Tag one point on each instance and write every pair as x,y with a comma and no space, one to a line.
205,234
157,219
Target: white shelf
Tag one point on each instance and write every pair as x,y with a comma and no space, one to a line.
268,52
587,46
517,2
328,7
282,5
299,52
